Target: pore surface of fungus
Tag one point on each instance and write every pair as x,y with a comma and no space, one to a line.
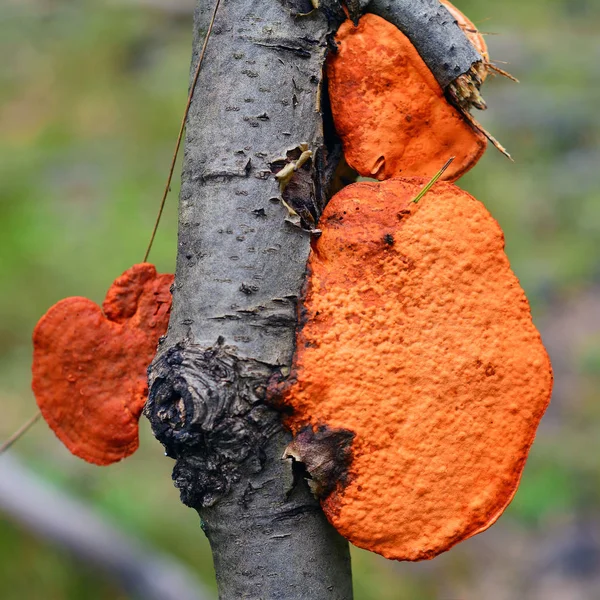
389,110
417,338
89,367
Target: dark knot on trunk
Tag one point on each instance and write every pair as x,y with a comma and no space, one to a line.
207,407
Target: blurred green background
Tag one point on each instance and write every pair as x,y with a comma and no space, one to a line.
91,96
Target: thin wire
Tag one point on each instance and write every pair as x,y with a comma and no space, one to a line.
181,130
20,432
25,428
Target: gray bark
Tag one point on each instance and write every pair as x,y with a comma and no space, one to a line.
240,269
244,239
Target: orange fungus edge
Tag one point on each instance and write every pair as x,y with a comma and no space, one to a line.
418,338
89,368
388,109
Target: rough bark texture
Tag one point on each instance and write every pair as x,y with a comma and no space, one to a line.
244,237
240,270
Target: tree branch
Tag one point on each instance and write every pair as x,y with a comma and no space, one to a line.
435,34
243,246
259,152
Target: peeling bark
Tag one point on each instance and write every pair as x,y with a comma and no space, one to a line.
326,454
260,153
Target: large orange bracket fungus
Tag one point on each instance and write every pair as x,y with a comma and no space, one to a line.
89,366
417,346
390,112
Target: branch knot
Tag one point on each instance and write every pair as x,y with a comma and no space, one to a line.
207,407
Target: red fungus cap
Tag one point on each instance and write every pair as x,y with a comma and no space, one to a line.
389,110
89,368
418,345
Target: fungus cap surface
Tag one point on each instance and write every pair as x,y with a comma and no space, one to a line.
418,339
89,368
389,110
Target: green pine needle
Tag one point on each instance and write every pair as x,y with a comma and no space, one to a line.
434,180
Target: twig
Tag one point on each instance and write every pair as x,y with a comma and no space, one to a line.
20,432
65,521
24,428
181,130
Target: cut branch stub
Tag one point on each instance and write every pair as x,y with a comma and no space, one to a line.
89,368
418,339
469,29
390,112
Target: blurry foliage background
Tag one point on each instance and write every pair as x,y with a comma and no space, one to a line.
91,96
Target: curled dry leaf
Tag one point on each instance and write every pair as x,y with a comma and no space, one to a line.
418,339
389,110
89,367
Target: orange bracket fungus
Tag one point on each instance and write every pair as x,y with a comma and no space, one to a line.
89,367
390,112
417,350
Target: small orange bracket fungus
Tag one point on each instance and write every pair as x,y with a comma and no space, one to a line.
89,367
417,350
388,109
